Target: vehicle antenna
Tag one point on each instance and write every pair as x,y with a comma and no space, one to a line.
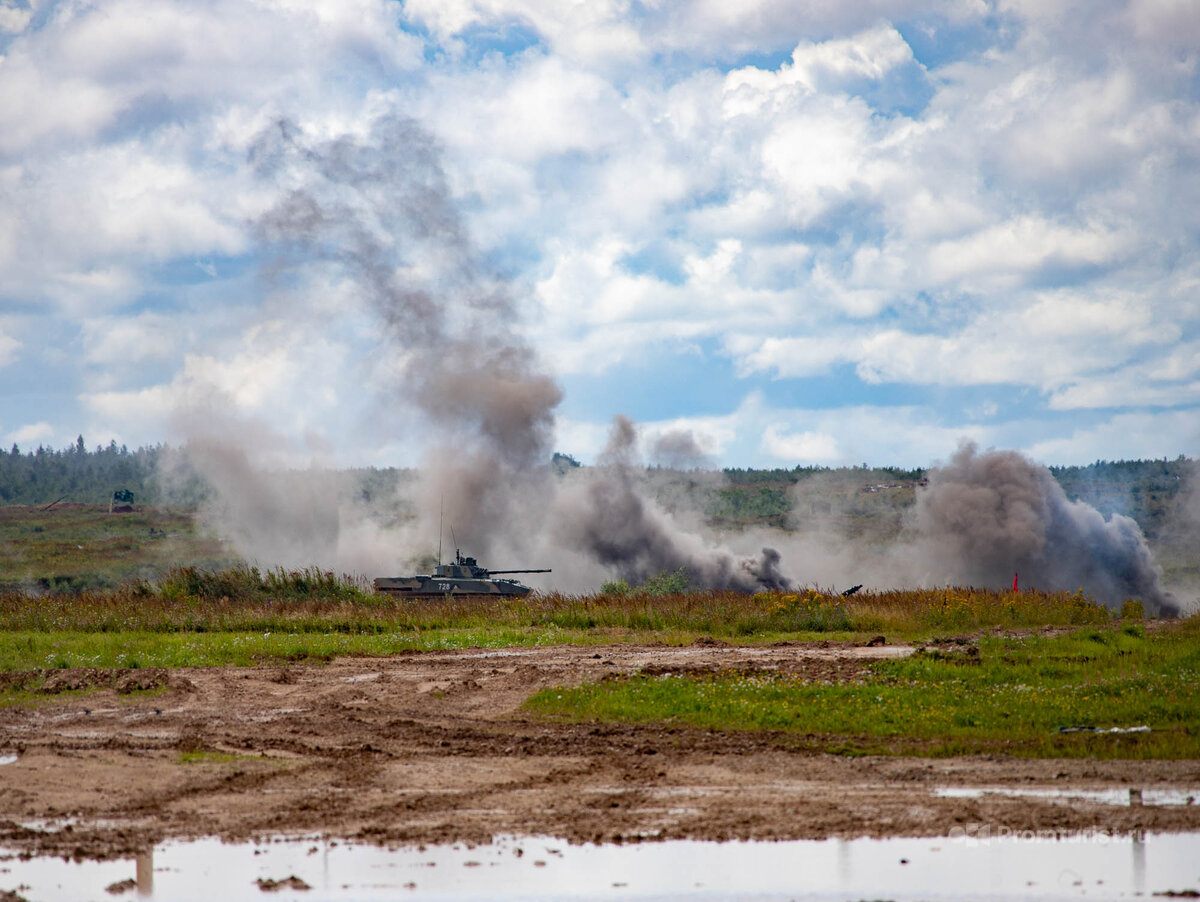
454,539
441,529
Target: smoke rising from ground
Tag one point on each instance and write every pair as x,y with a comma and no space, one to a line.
609,517
986,516
381,209
372,217
678,450
983,517
1187,513
374,214
272,514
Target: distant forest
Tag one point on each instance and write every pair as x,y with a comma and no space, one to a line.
1142,489
44,476
76,474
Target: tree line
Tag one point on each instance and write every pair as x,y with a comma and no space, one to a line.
77,473
74,473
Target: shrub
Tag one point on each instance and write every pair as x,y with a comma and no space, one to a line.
1132,609
669,582
617,587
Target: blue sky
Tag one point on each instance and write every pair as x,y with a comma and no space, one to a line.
809,233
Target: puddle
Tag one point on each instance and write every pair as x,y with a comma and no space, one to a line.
974,865
639,658
1100,796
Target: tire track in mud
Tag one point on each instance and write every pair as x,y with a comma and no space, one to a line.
434,747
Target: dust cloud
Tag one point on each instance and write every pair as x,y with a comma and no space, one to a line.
983,517
373,217
607,514
678,449
376,206
374,212
986,516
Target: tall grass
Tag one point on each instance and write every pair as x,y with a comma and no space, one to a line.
250,584
189,599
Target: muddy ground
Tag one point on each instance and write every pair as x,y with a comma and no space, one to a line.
434,747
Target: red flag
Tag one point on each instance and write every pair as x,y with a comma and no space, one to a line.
1014,582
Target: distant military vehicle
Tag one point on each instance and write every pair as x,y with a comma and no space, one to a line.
463,577
122,502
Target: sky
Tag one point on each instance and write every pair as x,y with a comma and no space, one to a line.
809,233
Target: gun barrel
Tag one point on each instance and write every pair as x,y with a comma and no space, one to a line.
520,571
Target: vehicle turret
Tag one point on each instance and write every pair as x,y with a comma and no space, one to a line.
462,577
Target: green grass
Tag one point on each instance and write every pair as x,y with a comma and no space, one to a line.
24,650
204,757
243,616
1012,699
249,600
27,692
29,697
73,547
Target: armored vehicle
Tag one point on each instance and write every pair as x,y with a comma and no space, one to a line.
463,577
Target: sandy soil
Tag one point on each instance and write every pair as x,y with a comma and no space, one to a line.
433,747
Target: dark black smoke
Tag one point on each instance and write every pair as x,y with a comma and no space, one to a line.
613,521
986,516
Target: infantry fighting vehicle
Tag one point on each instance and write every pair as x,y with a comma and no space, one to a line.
463,577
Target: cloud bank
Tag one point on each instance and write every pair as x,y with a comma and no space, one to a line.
824,234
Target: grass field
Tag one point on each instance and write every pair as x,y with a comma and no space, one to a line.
82,588
71,547
1034,696
316,603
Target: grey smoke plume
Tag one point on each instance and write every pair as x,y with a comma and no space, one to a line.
986,516
609,517
288,520
374,214
271,514
380,207
678,449
1187,513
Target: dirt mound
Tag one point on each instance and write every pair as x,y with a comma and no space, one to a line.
274,886
126,681
122,680
20,679
72,679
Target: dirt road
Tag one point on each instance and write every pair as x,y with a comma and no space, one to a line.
433,747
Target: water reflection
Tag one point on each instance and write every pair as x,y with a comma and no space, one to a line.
1131,797
981,865
1138,845
145,874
